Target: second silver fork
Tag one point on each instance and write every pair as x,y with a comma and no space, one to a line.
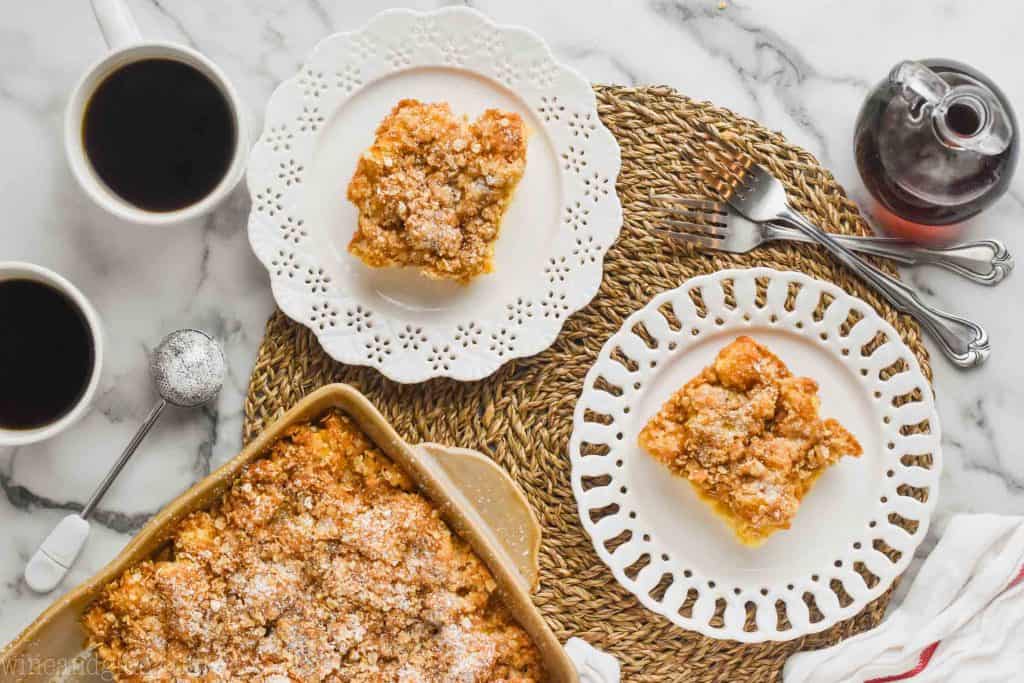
761,197
713,225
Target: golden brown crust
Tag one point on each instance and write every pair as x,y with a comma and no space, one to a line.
321,562
747,435
433,188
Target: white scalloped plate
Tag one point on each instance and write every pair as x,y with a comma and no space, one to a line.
549,256
621,491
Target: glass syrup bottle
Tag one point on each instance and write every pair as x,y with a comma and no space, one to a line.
935,144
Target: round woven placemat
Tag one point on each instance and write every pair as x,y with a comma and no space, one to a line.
522,415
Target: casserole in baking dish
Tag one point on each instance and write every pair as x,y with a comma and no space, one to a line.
476,499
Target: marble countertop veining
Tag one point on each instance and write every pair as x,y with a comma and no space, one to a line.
799,67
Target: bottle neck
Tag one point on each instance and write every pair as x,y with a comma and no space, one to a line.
965,114
961,119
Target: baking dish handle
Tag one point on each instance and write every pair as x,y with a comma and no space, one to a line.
500,505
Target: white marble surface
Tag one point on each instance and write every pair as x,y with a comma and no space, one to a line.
800,67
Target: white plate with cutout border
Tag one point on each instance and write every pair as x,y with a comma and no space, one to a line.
549,256
668,548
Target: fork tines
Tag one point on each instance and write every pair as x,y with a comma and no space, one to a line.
688,204
697,217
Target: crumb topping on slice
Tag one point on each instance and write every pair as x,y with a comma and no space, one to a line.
433,188
747,435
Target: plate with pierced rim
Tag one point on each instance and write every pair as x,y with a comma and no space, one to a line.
856,529
549,255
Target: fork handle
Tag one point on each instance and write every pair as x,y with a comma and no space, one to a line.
986,261
964,342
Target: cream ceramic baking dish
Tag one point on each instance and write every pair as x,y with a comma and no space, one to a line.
476,497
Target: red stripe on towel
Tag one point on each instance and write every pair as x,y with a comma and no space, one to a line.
1019,579
922,662
928,652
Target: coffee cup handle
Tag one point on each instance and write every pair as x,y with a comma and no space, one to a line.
116,23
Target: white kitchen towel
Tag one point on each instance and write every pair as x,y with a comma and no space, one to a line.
962,620
592,664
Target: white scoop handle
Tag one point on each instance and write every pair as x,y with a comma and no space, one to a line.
54,558
56,554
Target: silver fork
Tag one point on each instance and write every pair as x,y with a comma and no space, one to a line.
714,225
761,197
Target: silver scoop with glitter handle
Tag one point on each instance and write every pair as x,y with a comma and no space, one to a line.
188,369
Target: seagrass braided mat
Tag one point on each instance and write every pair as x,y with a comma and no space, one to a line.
522,415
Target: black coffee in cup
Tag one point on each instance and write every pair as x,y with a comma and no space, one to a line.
47,354
159,133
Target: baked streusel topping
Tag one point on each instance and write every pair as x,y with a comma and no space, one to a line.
433,188
747,436
320,563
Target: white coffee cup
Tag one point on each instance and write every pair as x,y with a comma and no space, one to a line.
127,46
17,270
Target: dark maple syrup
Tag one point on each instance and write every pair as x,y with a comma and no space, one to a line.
47,354
159,133
935,144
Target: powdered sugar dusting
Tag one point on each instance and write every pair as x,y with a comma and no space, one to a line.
320,563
